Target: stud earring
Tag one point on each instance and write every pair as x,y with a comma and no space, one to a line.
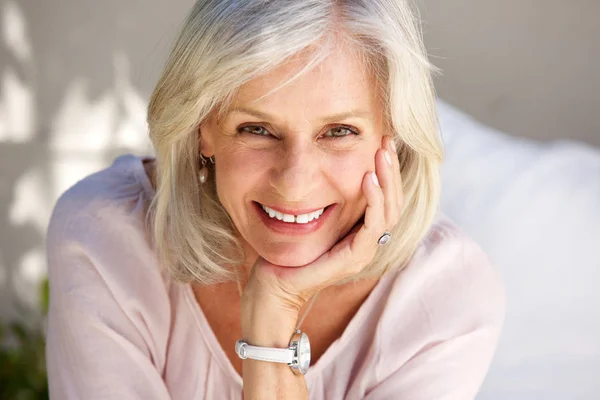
204,170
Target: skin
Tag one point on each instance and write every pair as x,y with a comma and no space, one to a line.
278,146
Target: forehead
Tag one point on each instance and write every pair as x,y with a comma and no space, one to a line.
339,83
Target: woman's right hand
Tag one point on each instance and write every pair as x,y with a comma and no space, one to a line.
285,290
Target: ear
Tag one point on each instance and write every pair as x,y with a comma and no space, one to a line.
206,140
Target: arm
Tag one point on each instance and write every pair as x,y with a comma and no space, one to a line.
452,330
267,322
274,294
451,370
95,349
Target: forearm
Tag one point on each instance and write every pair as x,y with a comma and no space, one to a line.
267,324
266,380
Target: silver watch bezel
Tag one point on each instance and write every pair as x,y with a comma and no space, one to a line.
300,344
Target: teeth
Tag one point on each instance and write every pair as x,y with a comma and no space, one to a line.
299,219
303,219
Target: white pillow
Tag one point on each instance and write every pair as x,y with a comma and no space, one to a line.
535,209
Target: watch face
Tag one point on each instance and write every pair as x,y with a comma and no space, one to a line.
303,353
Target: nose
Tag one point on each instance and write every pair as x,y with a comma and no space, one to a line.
295,171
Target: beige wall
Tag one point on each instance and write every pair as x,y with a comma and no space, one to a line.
525,66
74,79
528,67
75,76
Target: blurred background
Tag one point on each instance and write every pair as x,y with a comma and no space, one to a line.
75,76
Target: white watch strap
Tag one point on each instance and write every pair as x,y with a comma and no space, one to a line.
244,350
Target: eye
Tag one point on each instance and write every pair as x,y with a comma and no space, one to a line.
341,131
254,130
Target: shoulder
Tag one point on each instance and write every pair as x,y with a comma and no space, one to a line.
114,199
447,252
113,192
449,288
452,263
98,232
107,291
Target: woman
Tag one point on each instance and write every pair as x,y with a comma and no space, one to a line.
293,200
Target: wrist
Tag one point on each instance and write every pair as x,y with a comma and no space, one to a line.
267,322
268,331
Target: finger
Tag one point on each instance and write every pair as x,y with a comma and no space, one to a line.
390,144
365,241
338,263
356,250
347,257
384,167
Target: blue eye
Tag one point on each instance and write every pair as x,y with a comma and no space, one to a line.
254,130
340,131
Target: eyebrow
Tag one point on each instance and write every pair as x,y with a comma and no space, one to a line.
326,119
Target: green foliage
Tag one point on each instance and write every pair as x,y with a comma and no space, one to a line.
22,357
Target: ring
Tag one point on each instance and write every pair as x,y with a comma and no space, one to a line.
383,239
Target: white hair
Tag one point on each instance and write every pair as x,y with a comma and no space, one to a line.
224,44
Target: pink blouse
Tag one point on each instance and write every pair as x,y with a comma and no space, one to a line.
120,328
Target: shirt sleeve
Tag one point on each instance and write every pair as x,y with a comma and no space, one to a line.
455,322
451,370
99,340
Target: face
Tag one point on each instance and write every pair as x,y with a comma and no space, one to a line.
297,153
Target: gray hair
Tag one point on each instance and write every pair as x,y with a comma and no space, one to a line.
224,44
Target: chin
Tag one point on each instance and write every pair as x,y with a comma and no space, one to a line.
293,258
289,261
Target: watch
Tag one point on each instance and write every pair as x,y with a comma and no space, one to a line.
297,355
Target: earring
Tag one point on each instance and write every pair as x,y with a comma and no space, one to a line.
204,170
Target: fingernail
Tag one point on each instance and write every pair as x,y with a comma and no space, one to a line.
386,154
374,178
393,145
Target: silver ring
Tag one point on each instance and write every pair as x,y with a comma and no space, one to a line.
383,239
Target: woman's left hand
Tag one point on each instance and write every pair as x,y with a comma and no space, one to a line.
292,287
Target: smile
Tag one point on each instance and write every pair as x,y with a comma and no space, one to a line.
293,221
289,218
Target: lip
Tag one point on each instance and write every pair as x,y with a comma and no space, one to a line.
290,211
288,228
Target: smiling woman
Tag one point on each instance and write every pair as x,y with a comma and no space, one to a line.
294,141
292,146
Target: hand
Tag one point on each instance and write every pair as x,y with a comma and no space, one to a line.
294,286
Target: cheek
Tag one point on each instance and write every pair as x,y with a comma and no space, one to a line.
238,170
348,170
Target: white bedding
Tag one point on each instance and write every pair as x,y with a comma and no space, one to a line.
535,209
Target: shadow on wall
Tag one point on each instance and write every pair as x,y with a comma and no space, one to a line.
70,101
